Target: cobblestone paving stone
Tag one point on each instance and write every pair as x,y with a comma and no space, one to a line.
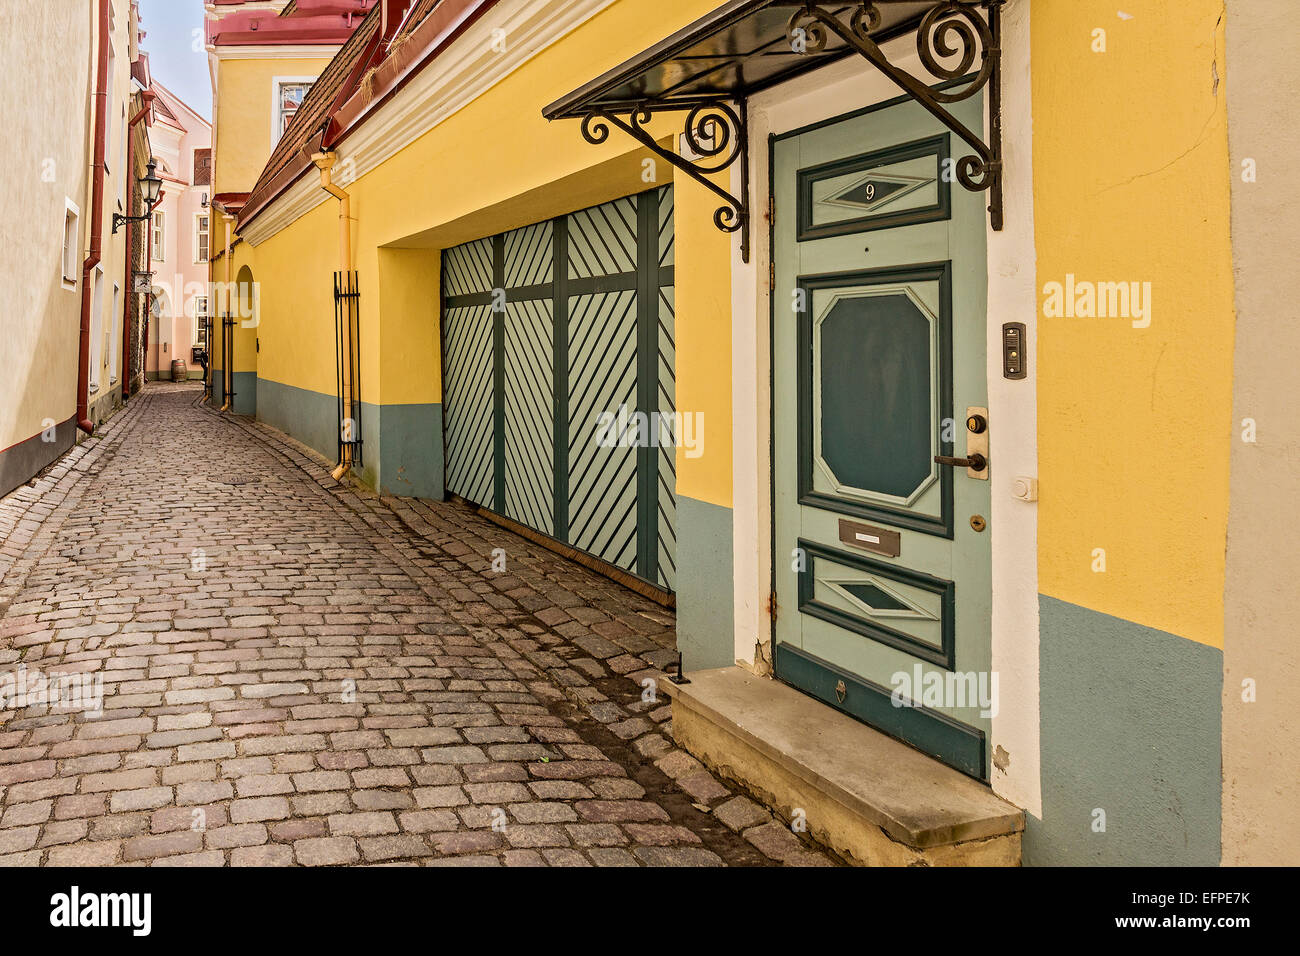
297,671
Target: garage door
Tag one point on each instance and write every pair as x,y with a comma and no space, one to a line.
559,383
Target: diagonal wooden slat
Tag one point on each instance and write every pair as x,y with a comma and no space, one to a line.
602,379
602,240
666,231
468,402
467,268
529,396
529,256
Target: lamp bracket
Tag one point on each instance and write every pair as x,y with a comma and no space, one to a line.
120,220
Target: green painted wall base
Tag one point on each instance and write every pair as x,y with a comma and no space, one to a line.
706,622
410,450
1130,726
302,414
20,462
401,444
246,384
106,406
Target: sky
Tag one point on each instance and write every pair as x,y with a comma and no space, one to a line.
176,56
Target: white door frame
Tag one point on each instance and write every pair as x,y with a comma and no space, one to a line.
1012,296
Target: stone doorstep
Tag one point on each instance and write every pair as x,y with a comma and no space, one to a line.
796,751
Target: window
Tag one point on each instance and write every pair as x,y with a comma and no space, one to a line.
288,93
159,235
115,333
125,177
108,100
200,337
71,246
96,328
291,96
201,241
202,167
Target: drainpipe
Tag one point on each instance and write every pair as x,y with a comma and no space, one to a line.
325,163
209,376
148,299
148,296
147,97
96,220
227,373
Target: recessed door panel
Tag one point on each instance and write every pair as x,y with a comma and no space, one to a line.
874,381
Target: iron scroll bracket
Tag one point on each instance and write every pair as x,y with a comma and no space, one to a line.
948,28
958,43
716,133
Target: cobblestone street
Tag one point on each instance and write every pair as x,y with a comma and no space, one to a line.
298,672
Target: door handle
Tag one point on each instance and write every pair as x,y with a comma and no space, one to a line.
976,461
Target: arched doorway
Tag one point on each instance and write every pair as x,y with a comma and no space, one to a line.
235,357
244,299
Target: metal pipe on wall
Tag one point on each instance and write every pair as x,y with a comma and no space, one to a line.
227,334
96,218
148,297
147,97
325,163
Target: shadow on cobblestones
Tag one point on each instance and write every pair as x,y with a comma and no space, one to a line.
296,671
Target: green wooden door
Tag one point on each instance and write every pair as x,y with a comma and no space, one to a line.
548,330
881,554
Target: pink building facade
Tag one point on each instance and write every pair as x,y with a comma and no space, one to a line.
181,236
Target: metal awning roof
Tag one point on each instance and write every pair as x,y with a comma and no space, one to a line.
738,49
708,69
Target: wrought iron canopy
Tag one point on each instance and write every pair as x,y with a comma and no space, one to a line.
707,70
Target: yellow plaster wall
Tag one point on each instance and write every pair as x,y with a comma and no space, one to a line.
500,147
409,367
49,59
703,341
296,320
1131,184
495,165
243,117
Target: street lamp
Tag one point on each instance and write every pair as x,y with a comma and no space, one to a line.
152,184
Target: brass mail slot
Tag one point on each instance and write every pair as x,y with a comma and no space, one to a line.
864,536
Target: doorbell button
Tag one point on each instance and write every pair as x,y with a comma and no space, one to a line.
1025,488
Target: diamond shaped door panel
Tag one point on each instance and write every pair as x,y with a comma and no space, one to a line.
882,189
893,605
